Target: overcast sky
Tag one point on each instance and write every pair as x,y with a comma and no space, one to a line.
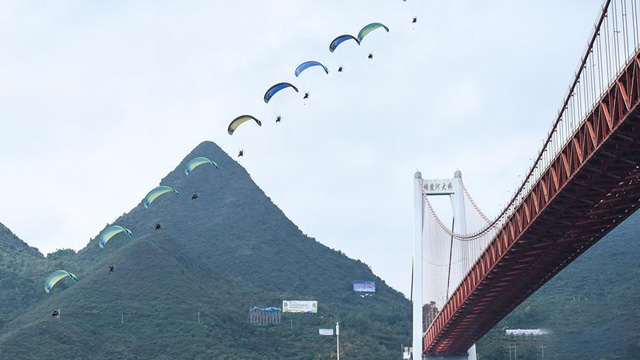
101,99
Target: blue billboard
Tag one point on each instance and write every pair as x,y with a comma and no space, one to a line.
364,286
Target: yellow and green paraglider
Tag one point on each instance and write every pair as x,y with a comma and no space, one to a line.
57,276
195,162
110,232
239,121
369,28
155,193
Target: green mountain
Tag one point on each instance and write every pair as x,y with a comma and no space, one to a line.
591,308
19,267
184,292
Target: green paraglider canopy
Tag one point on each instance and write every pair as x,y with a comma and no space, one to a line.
57,276
195,162
369,28
110,232
155,193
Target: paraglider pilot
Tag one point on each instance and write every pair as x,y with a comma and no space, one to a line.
112,267
158,226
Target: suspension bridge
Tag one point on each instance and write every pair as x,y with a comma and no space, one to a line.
583,183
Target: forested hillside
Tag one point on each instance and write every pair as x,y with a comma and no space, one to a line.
218,255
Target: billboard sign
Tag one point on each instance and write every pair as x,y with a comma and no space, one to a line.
326,332
299,307
527,332
364,286
438,186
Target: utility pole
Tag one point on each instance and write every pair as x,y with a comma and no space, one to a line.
338,340
418,211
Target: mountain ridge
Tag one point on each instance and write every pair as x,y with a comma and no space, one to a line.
215,257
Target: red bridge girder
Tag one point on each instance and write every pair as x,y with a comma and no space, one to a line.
590,188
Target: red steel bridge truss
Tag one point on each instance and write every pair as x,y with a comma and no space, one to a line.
585,181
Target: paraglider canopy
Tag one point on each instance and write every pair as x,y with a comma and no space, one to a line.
239,121
57,276
194,163
369,28
155,193
339,40
305,65
276,88
110,232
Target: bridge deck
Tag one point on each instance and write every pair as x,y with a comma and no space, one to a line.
591,187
